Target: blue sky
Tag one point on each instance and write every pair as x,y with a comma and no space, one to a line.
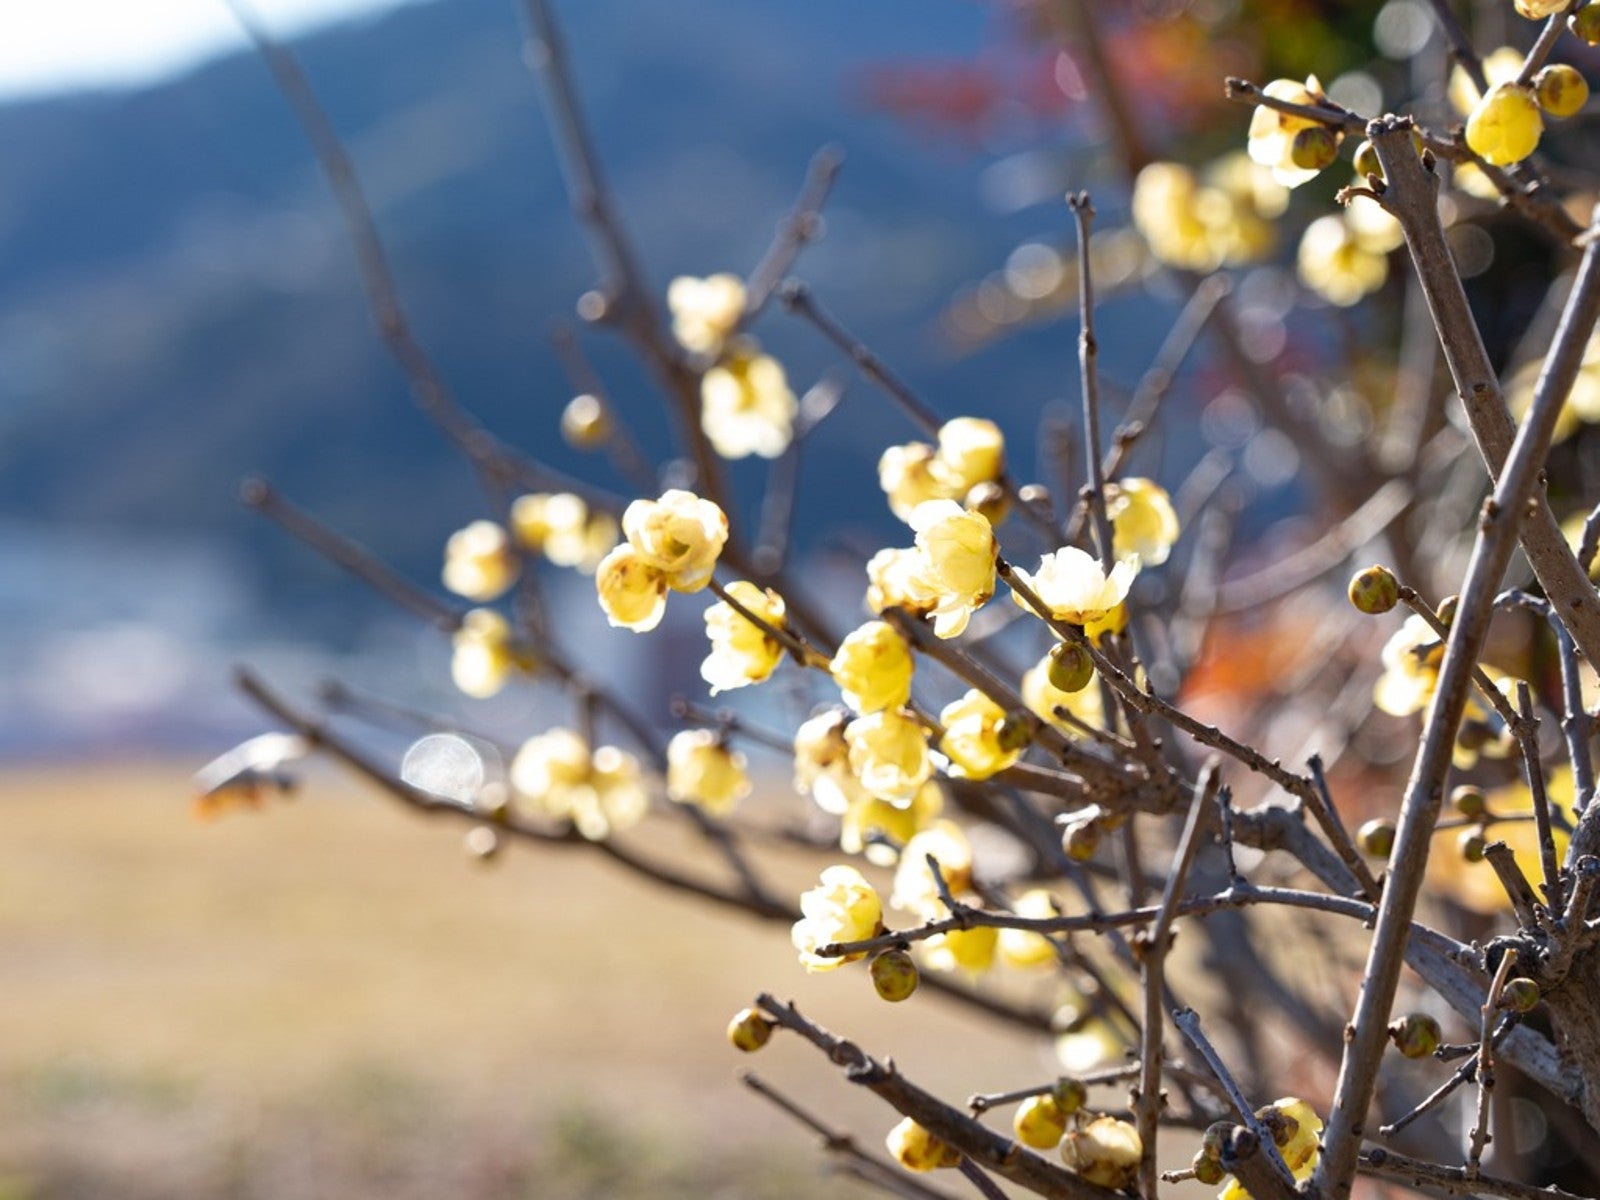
60,45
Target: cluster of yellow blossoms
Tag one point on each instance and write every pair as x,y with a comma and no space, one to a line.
746,405
1506,123
599,792
1220,217
948,574
672,545
970,453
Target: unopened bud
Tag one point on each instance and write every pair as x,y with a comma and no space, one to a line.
1376,837
1080,840
1374,590
1416,1035
1039,1122
1070,1094
749,1030
585,423
1472,844
1469,802
894,975
1520,994
1070,668
1314,148
989,500
1015,731
1586,23
1208,1170
1366,161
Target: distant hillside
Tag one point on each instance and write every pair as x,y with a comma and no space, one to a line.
178,304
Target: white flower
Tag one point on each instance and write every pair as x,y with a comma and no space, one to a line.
746,406
1074,588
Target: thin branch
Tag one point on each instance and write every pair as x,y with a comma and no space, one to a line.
1382,1163
1089,381
799,229
1483,1070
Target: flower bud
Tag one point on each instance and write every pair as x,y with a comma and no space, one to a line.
749,1030
585,423
1071,668
1469,802
990,500
1447,610
1376,837
1374,590
1070,1094
1366,161
1520,995
1015,731
1416,1035
1106,1151
1505,126
1208,1170
915,1149
1562,90
1586,23
1283,1127
1080,840
1314,148
1472,844
1039,1122
894,975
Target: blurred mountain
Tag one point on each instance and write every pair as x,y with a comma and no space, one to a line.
179,304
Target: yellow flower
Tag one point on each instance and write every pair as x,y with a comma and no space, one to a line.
1142,521
1411,661
742,652
971,451
1272,133
899,578
1582,405
483,655
1333,262
1499,66
1506,125
908,478
563,529
915,889
705,311
915,1149
479,562
632,593
869,820
1202,225
704,772
1074,588
822,763
960,552
1043,699
1538,10
746,406
970,950
889,754
1299,1152
679,535
972,737
599,793
1022,947
1106,1151
873,668
842,908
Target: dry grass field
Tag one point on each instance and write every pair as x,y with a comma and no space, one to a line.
329,999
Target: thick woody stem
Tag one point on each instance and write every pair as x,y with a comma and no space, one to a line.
1497,537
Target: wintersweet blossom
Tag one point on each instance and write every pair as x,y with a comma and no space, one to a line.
1299,1151
633,594
960,553
873,668
599,793
1042,699
971,451
480,562
1074,588
915,889
972,737
1143,523
1335,263
746,406
705,311
680,535
483,655
899,578
703,771
1202,224
842,908
1272,133
970,950
1106,1151
822,763
889,754
915,1149
907,476
1411,660
563,528
878,829
742,652
1023,947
